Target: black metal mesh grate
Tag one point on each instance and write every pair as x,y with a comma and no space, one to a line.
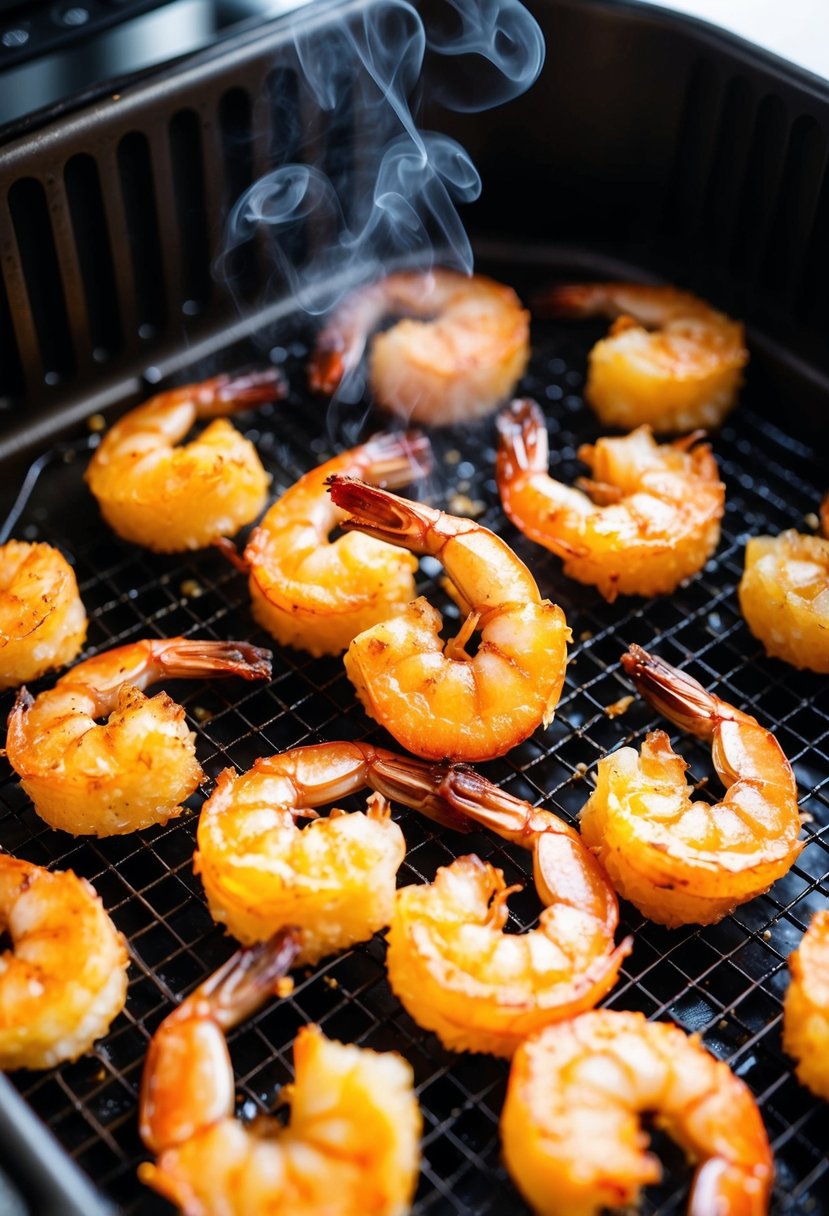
725,981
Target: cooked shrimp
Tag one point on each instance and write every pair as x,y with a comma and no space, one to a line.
137,767
784,597
647,518
458,360
683,862
318,594
449,961
65,978
670,359
350,1149
334,879
806,1007
570,1129
170,498
440,702
42,618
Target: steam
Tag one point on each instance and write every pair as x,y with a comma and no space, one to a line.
392,194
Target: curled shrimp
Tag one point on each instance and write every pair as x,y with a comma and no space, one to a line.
571,1132
136,768
784,597
350,1149
670,359
42,618
439,701
459,359
334,879
318,594
449,961
683,862
806,1007
65,978
647,518
170,498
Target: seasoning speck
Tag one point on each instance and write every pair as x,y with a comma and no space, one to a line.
191,589
811,521
284,986
618,707
462,504
96,423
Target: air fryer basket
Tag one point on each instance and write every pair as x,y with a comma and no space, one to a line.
724,982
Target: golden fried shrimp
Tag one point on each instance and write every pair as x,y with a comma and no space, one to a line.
437,700
65,978
42,618
806,1007
170,498
570,1128
350,1149
317,594
683,862
784,597
136,768
647,517
334,879
458,356
670,359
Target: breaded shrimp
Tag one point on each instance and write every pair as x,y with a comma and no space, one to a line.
806,1007
42,618
317,594
334,879
670,359
65,978
459,359
784,597
683,862
350,1149
170,498
437,700
135,769
570,1128
647,518
450,962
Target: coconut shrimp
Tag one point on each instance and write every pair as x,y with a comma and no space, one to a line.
570,1128
647,518
42,618
334,879
451,964
670,359
459,354
439,701
784,597
806,1007
685,862
64,980
170,498
136,768
317,594
350,1149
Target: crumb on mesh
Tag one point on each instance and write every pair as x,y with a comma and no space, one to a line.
201,714
331,981
811,521
618,707
585,635
192,589
284,986
96,423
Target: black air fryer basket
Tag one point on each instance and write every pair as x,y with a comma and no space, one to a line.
652,147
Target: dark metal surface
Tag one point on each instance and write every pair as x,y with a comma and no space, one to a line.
724,982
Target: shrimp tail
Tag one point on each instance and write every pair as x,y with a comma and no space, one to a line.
523,443
568,300
327,369
674,693
720,1186
180,658
229,393
397,459
245,981
379,514
419,785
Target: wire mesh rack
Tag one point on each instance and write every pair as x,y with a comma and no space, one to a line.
725,981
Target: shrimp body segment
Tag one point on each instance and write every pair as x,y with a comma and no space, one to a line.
136,768
458,355
571,1132
333,879
647,518
784,597
351,1148
42,618
437,700
806,1007
670,359
685,862
171,498
317,594
65,978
